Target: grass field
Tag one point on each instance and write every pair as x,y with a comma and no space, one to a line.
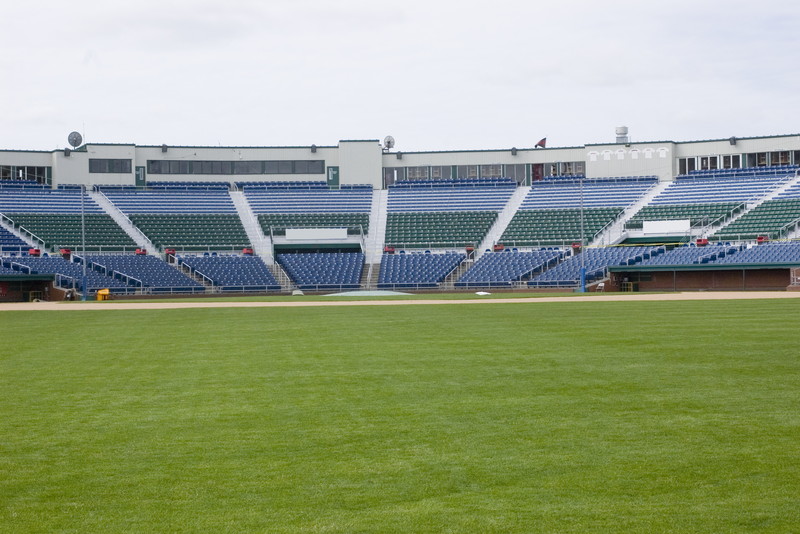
529,417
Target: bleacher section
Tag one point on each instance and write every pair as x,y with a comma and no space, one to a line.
698,214
438,229
70,273
49,201
321,271
188,186
193,232
787,253
596,192
64,231
309,205
54,217
444,213
502,269
691,254
233,273
169,201
551,212
596,260
417,270
192,220
712,188
541,227
145,272
9,242
773,219
708,198
356,223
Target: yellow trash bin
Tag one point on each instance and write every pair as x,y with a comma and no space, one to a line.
103,294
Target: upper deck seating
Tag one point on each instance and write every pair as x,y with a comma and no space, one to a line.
696,213
57,231
539,227
591,193
709,198
50,201
191,219
771,219
174,202
312,207
438,214
712,188
552,210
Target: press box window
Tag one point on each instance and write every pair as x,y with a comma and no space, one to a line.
120,166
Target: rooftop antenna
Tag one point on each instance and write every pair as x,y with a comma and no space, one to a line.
388,143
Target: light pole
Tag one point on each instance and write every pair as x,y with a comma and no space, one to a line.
83,241
583,243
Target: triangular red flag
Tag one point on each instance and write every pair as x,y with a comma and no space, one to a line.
542,143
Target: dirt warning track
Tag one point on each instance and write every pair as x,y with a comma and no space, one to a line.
165,305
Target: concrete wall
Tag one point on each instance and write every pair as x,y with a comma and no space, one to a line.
634,159
330,155
362,161
705,280
483,157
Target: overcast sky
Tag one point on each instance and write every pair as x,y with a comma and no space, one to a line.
437,75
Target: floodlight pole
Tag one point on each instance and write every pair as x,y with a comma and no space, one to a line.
83,242
583,244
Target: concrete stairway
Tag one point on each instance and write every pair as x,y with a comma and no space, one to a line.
262,245
752,205
503,219
10,227
451,279
141,240
616,232
377,226
281,277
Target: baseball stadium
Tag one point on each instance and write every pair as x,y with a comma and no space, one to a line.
353,338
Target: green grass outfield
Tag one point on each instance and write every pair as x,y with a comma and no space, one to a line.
528,417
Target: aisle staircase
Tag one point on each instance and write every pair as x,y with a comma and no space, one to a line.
262,245
141,240
503,219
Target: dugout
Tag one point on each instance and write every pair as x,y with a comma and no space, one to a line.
26,287
702,277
